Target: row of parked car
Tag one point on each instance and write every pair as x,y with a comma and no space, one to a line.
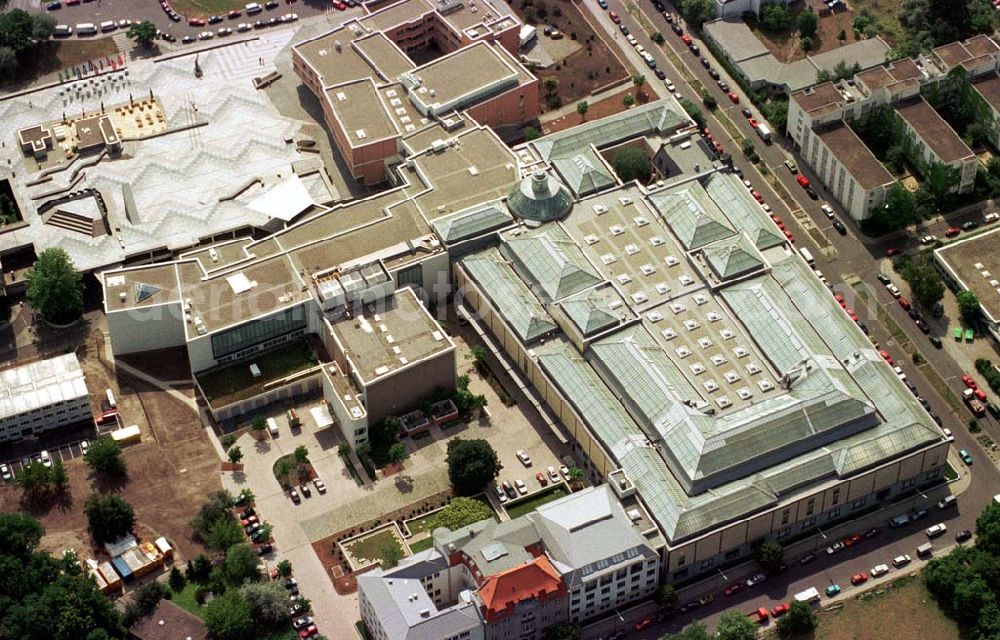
507,490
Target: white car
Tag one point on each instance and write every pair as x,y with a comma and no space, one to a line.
937,530
947,434
678,96
748,184
501,494
564,470
46,460
523,456
553,474
5,473
84,447
243,26
670,85
290,17
521,487
766,207
206,35
928,240
899,373
827,211
224,31
124,24
894,290
639,49
631,39
900,561
880,570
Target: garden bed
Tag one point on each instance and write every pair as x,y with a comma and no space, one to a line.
529,503
384,546
235,382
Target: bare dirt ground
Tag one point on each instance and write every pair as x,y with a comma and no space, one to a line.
169,472
608,106
785,46
582,72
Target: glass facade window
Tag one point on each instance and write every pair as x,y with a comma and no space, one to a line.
258,331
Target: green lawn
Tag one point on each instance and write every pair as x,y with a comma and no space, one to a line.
185,600
421,524
381,546
235,382
422,545
536,500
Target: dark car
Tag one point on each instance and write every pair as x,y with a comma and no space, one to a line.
747,113
669,17
169,37
871,533
884,279
936,341
806,559
963,535
259,24
188,39
839,226
621,28
812,193
969,225
271,5
694,49
677,28
247,513
993,409
265,549
658,5
705,63
690,606
215,20
176,17
723,85
713,74
923,326
660,74
52,6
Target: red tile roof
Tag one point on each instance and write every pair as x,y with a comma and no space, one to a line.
500,593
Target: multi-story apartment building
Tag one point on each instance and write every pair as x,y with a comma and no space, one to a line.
42,396
568,561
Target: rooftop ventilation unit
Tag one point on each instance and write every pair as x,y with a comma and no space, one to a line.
361,134
438,146
336,45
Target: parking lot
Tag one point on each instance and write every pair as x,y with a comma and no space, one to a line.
63,453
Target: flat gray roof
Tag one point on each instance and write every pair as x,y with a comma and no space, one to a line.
856,157
975,262
934,131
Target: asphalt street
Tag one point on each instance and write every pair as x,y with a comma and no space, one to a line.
849,258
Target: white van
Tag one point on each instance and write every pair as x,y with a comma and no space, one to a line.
108,25
272,427
253,8
62,31
86,29
807,256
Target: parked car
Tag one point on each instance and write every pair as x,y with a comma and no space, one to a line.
304,489
302,623
642,624
835,548
901,561
880,570
827,210
756,579
320,485
45,459
859,578
963,535
780,610
542,480
618,20
936,530
965,456
521,487
553,474
509,489
294,495
952,232
832,590
523,456
501,494
265,549
839,226
5,473
806,559
735,587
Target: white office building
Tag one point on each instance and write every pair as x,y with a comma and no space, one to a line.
42,396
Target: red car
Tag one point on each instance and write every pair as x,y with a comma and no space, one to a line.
753,122
776,218
248,521
802,180
235,13
72,3
969,382
952,232
196,22
341,6
760,615
718,147
839,298
903,302
686,39
789,235
892,251
780,610
756,196
850,541
885,356
642,624
735,98
735,587
309,631
617,20
852,314
980,395
542,480
859,578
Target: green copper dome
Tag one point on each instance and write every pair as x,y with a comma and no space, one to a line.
540,197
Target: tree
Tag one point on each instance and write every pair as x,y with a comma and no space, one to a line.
806,42
563,631
301,454
60,480
268,602
694,112
775,17
550,84
235,454
708,100
898,211
582,107
638,80
257,427
657,37
223,534
284,568
748,147
923,277
147,596
177,580
631,163
108,517
988,529
198,569
216,507
8,62
697,12
968,308
229,617
19,535
35,480
461,512
666,596
531,133
17,30
55,287
628,100
842,36
807,24
471,465
240,564
281,470
769,555
800,619
144,33
398,453
62,607
575,476
694,631
736,625
105,456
